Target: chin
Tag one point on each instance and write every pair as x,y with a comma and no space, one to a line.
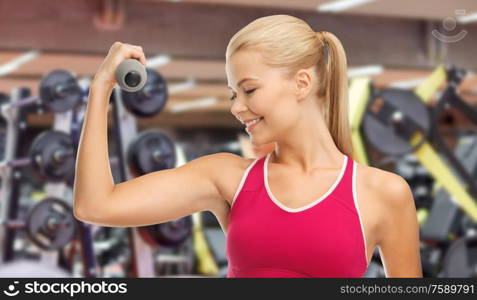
263,148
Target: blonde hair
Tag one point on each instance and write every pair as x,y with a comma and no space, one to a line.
289,42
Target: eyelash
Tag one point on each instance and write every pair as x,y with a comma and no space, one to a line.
246,92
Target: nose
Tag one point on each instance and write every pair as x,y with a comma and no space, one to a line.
238,107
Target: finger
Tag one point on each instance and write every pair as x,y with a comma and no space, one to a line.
138,53
143,56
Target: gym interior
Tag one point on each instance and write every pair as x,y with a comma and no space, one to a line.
412,58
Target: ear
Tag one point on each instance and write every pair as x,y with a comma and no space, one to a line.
303,83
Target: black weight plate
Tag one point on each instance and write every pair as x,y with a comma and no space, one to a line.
151,151
4,99
42,153
51,224
461,258
60,91
168,234
383,136
151,99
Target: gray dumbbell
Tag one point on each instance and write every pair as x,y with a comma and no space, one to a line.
131,75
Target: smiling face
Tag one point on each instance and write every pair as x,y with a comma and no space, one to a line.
264,98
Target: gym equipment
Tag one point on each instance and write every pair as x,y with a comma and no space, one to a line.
3,99
418,178
151,151
444,215
131,75
50,224
51,156
168,234
461,258
149,100
405,131
393,116
396,124
59,92
210,245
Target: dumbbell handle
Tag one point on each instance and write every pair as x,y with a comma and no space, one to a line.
13,224
20,103
36,99
16,163
26,161
58,155
20,224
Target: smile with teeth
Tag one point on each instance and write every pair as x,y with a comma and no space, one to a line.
252,122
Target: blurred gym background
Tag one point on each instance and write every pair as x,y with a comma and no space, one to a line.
416,58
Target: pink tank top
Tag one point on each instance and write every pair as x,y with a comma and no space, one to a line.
322,239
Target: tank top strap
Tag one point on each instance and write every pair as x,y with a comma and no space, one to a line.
347,179
252,178
345,191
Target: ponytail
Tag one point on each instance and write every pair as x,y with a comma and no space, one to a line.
334,91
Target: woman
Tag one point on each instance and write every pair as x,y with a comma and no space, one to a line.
305,207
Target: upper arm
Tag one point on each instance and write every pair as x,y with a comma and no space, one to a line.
398,237
163,195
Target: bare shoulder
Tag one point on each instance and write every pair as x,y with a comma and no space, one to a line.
226,169
380,181
386,195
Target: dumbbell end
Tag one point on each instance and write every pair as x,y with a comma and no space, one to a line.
131,75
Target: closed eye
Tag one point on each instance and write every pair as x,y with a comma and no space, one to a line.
234,95
250,91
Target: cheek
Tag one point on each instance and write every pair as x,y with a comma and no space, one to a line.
271,102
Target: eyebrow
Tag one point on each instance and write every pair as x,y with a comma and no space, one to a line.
242,81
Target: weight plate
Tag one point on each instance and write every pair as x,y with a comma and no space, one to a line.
51,224
169,234
461,258
383,136
151,99
4,99
151,151
60,91
44,159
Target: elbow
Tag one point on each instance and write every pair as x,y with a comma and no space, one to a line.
84,213
80,213
96,215
90,209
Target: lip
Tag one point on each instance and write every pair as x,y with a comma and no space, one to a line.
245,121
251,127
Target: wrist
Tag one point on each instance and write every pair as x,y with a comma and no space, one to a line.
101,84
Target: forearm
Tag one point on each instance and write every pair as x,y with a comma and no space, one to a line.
93,178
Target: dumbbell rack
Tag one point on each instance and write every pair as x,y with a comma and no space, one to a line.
16,120
10,188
